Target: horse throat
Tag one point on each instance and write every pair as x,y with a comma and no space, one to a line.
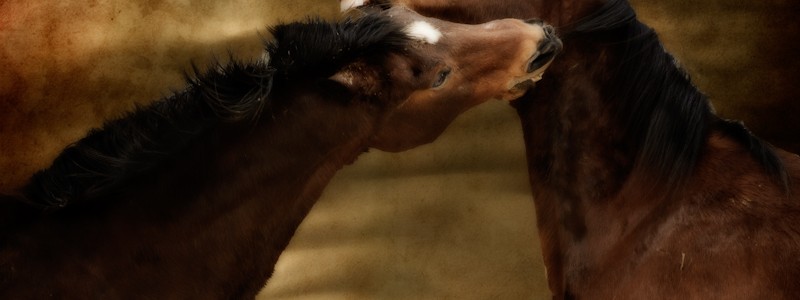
580,163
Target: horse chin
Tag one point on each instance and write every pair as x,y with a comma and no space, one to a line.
519,89
520,86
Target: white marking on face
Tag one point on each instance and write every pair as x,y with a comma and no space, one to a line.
423,31
348,4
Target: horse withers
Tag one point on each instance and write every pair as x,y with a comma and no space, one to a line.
196,195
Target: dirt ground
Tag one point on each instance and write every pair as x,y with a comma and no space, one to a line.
451,220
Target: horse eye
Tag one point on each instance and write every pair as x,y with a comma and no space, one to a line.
441,78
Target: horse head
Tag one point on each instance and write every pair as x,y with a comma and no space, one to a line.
447,69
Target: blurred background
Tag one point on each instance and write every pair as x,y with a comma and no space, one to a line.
449,220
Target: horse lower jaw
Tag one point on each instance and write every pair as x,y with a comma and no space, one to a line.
520,88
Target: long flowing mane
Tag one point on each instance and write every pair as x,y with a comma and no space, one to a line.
663,112
232,93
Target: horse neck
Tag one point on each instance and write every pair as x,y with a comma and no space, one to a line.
266,179
233,201
574,141
582,162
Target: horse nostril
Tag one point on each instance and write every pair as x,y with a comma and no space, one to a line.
547,51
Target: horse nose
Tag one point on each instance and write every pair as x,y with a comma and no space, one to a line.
550,34
546,51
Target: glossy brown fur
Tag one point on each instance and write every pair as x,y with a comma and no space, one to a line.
615,225
210,220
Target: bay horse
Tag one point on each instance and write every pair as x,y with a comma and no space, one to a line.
196,195
641,191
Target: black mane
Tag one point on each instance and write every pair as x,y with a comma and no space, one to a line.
318,48
664,113
236,92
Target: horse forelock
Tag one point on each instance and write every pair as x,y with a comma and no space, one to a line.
317,48
660,108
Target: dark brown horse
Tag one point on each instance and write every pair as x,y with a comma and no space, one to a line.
196,195
641,191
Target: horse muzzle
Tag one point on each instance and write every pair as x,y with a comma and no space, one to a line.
547,50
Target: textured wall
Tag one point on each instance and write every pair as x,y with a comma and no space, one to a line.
742,54
450,220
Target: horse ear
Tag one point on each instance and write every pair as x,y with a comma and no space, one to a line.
348,4
347,78
357,78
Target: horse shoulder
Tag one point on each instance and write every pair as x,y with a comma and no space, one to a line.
731,233
734,232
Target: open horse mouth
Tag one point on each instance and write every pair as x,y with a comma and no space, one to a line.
539,61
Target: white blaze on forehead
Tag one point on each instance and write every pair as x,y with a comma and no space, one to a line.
423,31
348,4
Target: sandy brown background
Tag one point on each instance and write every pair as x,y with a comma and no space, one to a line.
451,220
